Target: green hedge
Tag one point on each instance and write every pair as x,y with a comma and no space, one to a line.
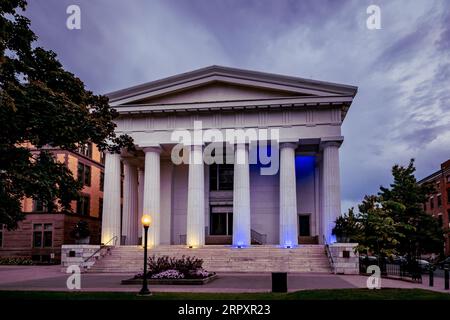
15,261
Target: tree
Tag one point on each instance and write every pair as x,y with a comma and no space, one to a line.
379,232
406,197
394,221
46,106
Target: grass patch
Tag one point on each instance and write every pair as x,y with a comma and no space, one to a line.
334,294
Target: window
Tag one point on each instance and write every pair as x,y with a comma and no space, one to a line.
85,150
448,195
431,203
83,205
439,200
448,179
102,158
221,177
102,180
1,235
39,206
42,235
84,174
48,235
441,221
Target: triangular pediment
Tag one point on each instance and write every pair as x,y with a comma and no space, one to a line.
217,83
217,91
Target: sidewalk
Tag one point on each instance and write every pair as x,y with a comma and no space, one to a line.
50,278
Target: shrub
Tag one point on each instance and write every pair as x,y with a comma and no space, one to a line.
15,261
188,267
80,230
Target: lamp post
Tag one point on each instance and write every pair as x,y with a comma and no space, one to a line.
146,222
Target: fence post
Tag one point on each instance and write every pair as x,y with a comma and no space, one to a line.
446,278
431,277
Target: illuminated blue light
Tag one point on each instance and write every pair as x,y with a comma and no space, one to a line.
332,238
305,165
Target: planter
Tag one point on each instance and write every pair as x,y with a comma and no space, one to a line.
172,281
83,240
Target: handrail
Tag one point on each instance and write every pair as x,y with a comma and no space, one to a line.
259,237
99,249
328,253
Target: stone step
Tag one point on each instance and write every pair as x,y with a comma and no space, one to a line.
306,258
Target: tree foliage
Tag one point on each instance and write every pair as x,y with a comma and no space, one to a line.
47,106
394,220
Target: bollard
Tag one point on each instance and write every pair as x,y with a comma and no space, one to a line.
431,277
446,279
279,282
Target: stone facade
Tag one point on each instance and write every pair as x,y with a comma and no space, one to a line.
76,254
302,197
345,259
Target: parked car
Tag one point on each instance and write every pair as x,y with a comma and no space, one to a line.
444,264
370,259
424,265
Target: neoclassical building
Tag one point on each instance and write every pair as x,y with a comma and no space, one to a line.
199,203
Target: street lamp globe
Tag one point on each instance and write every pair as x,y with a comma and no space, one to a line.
146,220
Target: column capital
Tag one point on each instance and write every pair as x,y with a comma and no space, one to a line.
157,149
331,142
292,145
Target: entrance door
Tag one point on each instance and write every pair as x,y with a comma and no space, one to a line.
303,226
221,222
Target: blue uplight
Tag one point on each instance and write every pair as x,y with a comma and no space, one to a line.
305,165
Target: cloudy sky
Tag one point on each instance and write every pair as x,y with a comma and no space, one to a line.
402,109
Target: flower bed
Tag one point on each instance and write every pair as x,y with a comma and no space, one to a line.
170,270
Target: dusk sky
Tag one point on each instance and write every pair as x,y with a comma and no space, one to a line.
401,111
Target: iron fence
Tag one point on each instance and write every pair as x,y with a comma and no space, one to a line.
404,270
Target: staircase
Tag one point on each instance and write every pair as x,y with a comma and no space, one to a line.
261,258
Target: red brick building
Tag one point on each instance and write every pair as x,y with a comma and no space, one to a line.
41,234
438,204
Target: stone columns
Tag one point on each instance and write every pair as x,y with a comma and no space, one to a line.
288,196
241,197
130,204
195,233
331,206
111,199
151,204
140,199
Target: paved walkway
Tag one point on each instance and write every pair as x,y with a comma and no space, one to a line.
50,278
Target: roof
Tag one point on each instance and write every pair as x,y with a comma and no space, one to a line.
213,73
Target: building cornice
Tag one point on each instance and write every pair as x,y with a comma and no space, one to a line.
283,103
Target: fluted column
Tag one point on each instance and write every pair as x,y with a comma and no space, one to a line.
241,197
331,198
140,199
195,233
130,204
111,199
288,196
151,205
